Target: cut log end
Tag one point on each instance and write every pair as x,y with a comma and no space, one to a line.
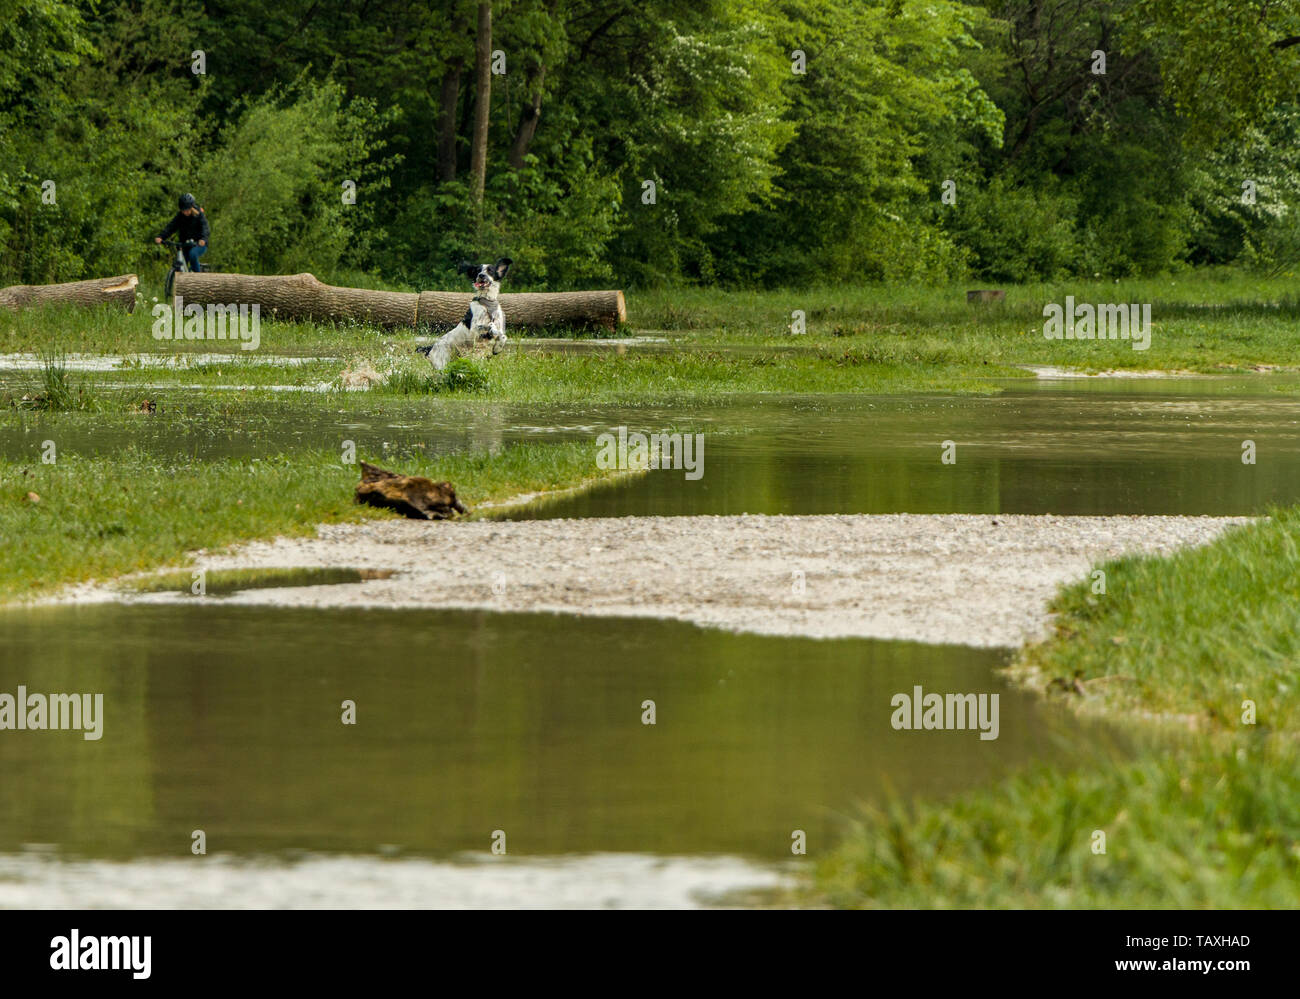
127,285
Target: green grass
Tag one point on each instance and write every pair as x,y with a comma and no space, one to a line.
101,517
53,388
555,376
1189,636
865,339
1208,812
1192,830
415,376
1200,322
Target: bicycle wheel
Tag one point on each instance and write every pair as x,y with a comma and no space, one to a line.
167,288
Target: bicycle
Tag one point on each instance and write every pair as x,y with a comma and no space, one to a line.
180,265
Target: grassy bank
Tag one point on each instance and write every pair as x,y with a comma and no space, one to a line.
867,339
1207,816
1195,829
1189,637
99,517
530,375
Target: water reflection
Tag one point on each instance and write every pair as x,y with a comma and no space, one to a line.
229,719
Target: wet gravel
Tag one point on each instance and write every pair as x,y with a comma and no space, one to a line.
965,579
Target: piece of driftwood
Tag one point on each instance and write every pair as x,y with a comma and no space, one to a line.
410,495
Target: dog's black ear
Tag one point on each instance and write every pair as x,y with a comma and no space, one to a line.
502,266
465,267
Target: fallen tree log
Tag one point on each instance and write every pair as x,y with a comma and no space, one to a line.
531,310
115,291
301,296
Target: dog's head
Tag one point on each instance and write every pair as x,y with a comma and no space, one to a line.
486,278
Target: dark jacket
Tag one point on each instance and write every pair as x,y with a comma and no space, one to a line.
193,227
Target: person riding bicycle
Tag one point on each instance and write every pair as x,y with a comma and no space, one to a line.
191,224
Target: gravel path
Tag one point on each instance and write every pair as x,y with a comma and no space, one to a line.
973,580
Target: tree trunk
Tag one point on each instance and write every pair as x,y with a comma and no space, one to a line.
527,123
301,296
466,127
297,296
115,291
482,98
531,310
447,123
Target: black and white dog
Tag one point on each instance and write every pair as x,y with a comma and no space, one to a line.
483,319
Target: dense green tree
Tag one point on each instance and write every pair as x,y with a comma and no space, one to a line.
883,86
1225,63
742,142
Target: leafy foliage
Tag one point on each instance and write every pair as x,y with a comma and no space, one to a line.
787,143
282,212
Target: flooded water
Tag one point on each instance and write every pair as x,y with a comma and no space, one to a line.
1109,446
181,360
229,720
470,726
230,581
1096,446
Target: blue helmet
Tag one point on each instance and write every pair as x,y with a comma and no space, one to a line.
187,201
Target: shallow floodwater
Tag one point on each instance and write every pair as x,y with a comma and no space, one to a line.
1095,447
1074,446
228,719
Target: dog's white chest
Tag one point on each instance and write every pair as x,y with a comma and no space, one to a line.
481,317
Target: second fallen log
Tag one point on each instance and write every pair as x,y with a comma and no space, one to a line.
301,296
